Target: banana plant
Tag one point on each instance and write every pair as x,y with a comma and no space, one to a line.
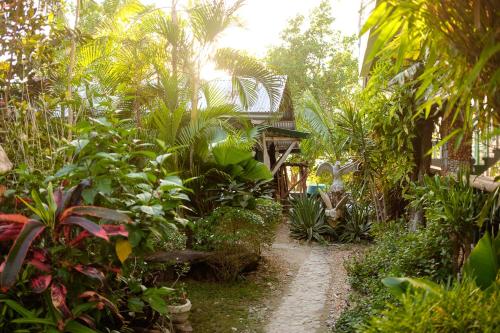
59,221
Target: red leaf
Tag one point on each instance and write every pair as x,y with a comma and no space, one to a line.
10,231
81,236
59,200
90,272
18,251
58,295
40,265
13,218
94,211
40,255
115,230
94,228
40,283
92,296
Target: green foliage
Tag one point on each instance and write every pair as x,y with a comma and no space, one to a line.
462,308
483,264
315,57
307,220
228,227
270,210
356,224
452,206
321,71
63,243
127,174
397,252
455,43
239,163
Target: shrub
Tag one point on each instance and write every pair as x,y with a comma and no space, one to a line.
396,252
227,227
451,207
307,218
424,253
357,223
236,236
462,308
271,212
59,260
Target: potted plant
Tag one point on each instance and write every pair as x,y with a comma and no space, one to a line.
179,309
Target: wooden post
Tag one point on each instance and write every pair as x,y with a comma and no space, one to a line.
283,158
267,160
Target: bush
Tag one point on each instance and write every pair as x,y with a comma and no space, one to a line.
228,227
396,252
270,210
363,307
236,236
463,308
307,218
357,223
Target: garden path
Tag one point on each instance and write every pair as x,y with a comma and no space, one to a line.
319,289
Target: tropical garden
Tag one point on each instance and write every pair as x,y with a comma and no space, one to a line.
133,188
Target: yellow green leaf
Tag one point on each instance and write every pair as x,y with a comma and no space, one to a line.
123,249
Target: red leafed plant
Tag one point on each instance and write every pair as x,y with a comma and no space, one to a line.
59,222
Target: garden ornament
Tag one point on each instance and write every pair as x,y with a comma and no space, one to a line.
335,199
337,172
5,164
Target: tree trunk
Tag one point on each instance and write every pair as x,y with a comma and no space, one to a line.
422,144
72,56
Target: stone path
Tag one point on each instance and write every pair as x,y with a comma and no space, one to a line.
301,309
319,290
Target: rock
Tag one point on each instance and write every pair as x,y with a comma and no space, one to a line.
5,164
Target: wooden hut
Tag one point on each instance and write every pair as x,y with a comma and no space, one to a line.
279,140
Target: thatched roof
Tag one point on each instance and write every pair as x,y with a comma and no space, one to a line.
5,164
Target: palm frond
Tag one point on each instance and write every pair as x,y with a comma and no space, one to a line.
243,67
209,19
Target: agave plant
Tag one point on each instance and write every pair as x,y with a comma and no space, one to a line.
45,242
307,218
357,225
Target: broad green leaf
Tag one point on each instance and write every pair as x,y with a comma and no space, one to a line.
225,155
135,304
155,210
255,170
482,264
399,286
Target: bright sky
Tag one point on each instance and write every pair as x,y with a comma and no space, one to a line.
263,20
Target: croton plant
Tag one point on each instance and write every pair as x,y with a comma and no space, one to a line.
50,249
